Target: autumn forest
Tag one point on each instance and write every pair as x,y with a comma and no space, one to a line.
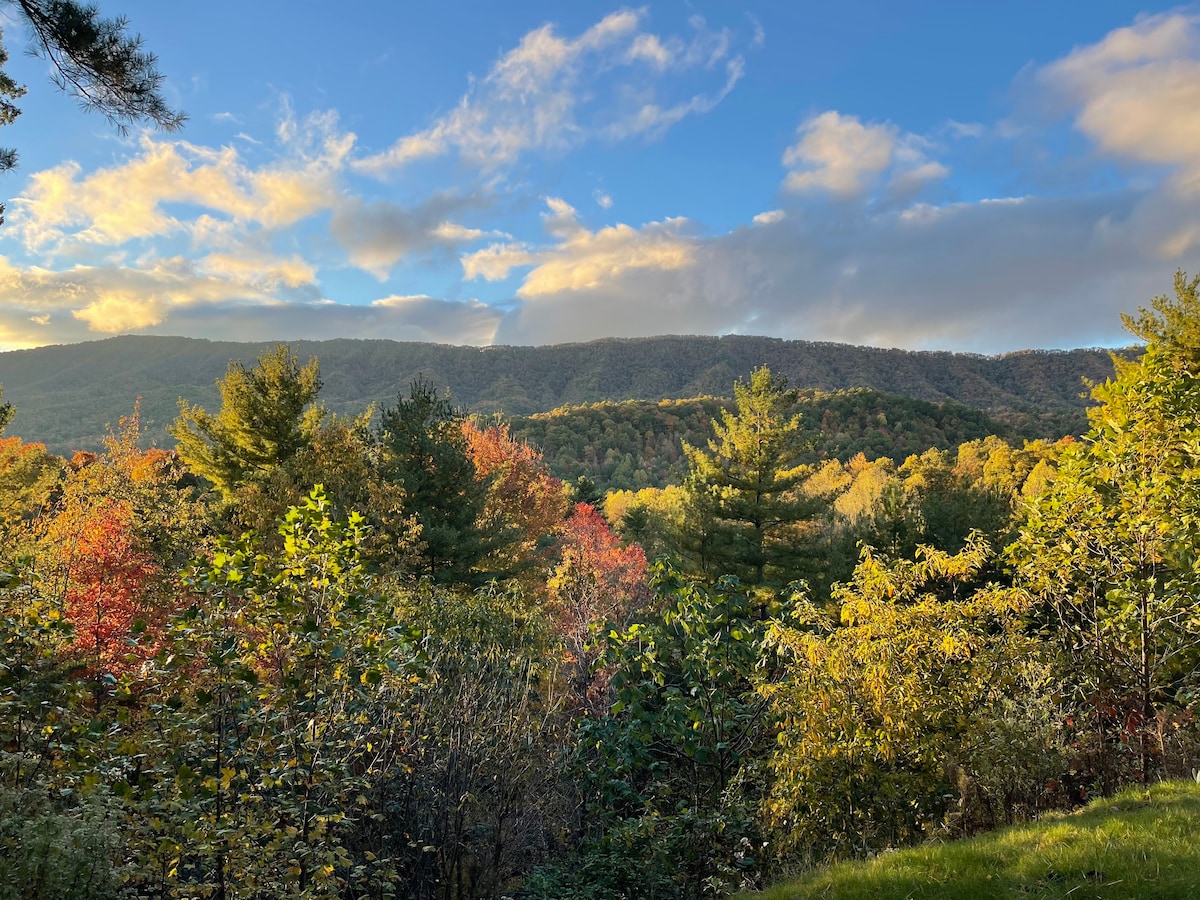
411,652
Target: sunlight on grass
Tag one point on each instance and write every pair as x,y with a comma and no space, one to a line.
1138,844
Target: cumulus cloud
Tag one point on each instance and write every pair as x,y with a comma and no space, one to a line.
989,276
552,92
839,154
71,304
1136,92
62,208
582,259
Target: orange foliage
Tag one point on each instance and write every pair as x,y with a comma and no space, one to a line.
524,495
112,539
598,579
108,579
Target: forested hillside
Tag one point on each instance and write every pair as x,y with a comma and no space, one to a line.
315,655
636,443
66,396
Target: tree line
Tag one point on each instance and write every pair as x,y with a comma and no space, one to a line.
320,655
67,394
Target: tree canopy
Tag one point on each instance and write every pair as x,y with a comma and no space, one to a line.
94,59
267,415
743,485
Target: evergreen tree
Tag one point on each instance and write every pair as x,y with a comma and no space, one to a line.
93,59
267,416
743,488
423,450
6,412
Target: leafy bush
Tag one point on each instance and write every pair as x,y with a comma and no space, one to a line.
50,850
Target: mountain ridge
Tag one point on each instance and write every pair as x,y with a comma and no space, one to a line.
67,395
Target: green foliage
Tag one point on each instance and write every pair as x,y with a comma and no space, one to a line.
304,717
266,417
50,850
66,394
670,769
424,452
54,840
637,444
6,409
277,715
1110,549
36,690
748,513
879,710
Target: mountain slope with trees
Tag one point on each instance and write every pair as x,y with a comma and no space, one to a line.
337,657
634,444
67,395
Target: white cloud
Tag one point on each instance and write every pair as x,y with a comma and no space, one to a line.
841,155
838,153
991,276
62,209
603,199
552,92
112,299
1136,92
122,311
217,298
582,259
259,270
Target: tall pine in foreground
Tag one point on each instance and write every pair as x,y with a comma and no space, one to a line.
743,490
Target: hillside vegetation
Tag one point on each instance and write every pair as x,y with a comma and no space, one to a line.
635,444
332,657
66,396
1140,843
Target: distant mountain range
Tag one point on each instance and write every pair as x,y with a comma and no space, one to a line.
67,395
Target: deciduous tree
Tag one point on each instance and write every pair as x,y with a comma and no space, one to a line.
1110,547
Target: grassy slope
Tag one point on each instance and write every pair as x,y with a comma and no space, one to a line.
1138,844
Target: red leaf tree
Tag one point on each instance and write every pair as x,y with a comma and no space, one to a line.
596,580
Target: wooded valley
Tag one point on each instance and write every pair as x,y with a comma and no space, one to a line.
669,645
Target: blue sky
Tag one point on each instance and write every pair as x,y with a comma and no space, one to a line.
980,177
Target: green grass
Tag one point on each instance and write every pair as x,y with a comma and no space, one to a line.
1141,843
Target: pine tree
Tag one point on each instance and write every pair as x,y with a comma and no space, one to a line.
424,451
743,490
267,416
